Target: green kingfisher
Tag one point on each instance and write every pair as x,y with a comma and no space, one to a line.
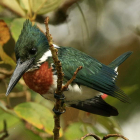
35,64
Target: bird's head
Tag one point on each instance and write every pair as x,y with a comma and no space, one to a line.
31,49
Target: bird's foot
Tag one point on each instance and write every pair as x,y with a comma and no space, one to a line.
62,108
58,112
59,97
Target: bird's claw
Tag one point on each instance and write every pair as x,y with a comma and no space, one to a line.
57,112
60,97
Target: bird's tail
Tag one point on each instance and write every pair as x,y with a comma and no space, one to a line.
119,60
97,106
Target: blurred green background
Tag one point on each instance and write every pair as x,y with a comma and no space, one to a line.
104,29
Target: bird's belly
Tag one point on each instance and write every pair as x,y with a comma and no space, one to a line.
75,94
81,94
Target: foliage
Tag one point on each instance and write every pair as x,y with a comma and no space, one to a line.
27,114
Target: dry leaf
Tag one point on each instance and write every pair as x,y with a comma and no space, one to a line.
4,33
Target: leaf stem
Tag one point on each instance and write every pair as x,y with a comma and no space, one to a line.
84,19
30,9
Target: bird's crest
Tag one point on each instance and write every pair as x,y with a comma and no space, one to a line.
31,37
28,26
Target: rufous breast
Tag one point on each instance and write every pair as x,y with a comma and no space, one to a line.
39,80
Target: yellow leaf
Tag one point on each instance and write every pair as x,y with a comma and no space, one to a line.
14,6
37,115
45,6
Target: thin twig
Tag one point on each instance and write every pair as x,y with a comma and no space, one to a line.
84,19
71,80
13,94
105,137
59,90
4,131
59,81
7,97
114,135
30,9
92,135
6,72
35,131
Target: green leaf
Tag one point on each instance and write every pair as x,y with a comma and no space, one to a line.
41,100
15,125
7,20
24,4
8,116
20,129
110,124
37,115
77,130
16,27
30,135
14,6
74,131
45,6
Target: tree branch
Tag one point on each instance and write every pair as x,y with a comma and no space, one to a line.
70,81
114,135
5,73
60,89
105,137
59,81
87,135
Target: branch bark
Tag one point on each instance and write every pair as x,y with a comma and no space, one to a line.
59,81
5,73
114,135
70,81
87,135
58,104
105,137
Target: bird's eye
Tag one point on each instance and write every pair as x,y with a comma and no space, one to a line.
33,51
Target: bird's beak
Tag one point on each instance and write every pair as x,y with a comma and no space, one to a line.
20,69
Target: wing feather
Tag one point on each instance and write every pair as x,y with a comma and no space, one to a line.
93,74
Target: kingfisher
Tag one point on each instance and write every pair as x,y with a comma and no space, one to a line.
35,64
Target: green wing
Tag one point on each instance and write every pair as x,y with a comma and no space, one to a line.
93,74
